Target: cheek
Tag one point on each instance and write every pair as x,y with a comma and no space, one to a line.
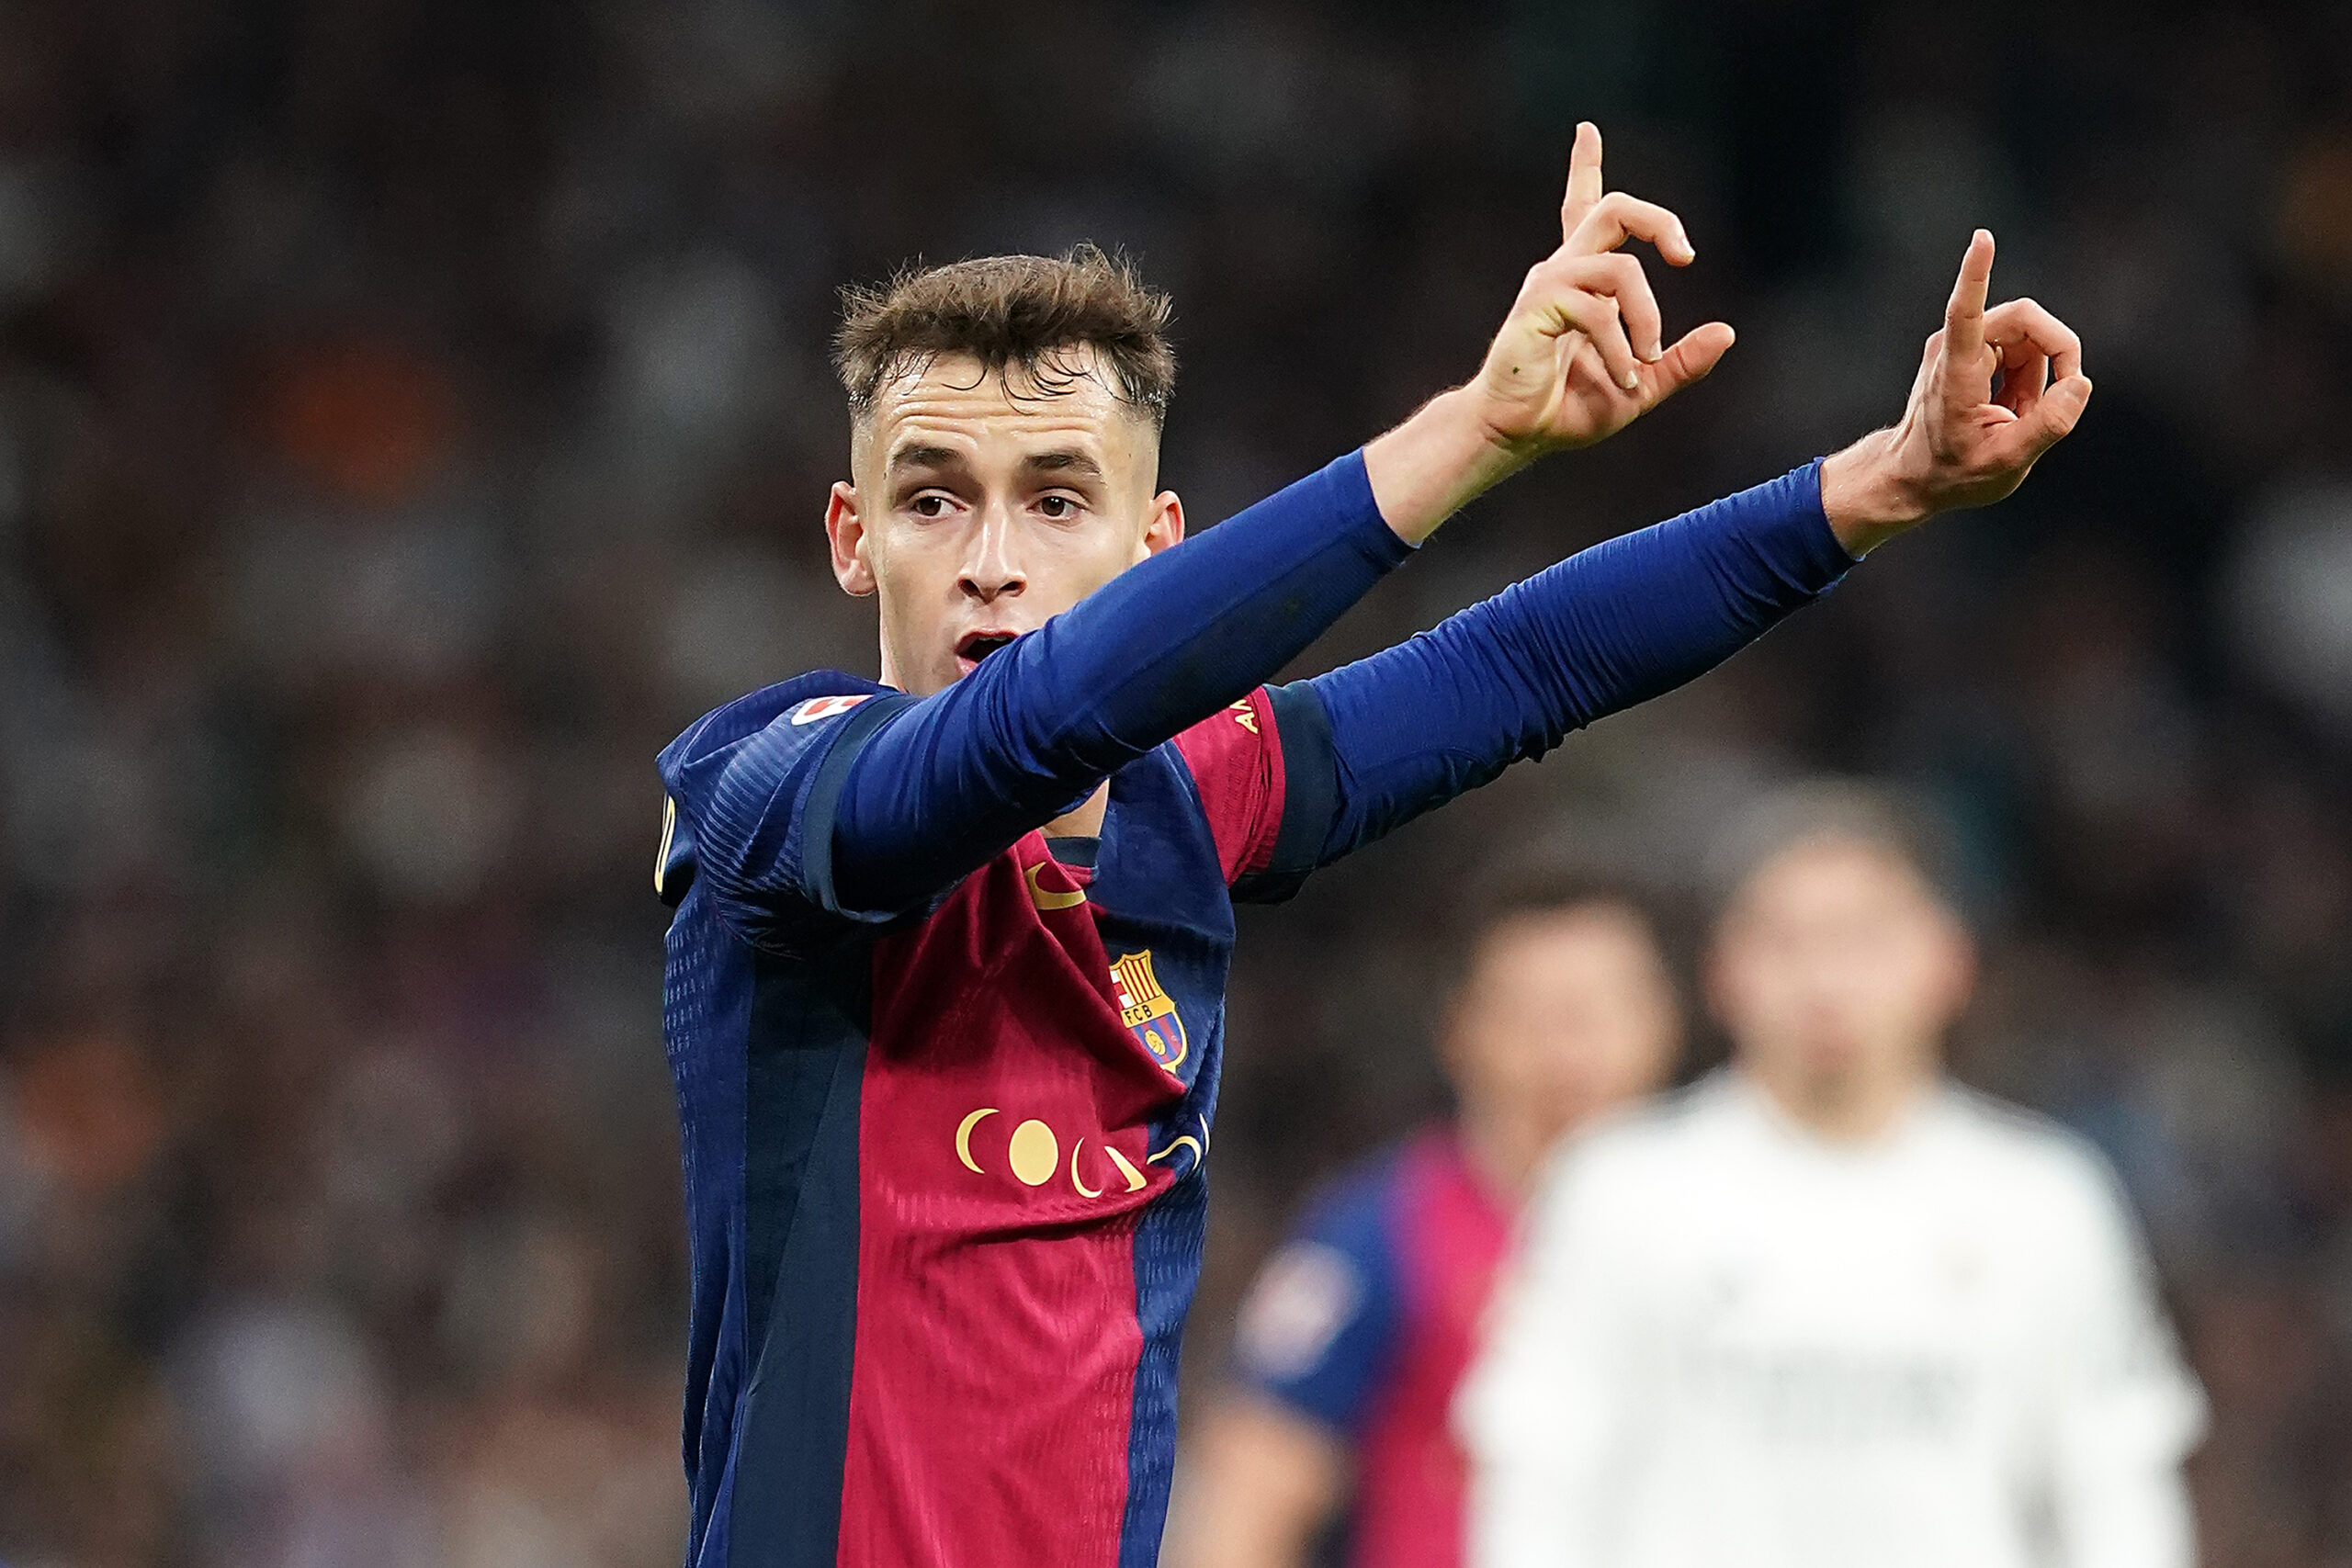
1083,562
1920,990
913,575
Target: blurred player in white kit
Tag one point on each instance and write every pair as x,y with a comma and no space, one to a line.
1826,1308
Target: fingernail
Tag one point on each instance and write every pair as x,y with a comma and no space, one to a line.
1629,380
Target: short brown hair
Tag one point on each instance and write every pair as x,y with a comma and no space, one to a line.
1011,310
1889,819
1558,873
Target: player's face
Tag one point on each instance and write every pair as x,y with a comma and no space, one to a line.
1566,1014
980,509
1834,967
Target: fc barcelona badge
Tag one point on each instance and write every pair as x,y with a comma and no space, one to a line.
1145,1009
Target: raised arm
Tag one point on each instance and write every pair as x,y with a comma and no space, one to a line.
1413,726
1508,677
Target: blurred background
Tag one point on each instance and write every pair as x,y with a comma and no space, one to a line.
413,413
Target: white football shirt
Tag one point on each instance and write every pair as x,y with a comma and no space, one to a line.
1729,1343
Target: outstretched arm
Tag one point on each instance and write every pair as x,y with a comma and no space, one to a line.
1411,727
1415,726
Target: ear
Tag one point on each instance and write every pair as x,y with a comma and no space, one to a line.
846,529
1716,983
1167,524
1959,966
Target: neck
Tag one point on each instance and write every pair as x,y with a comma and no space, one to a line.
1504,1149
1843,1109
1086,822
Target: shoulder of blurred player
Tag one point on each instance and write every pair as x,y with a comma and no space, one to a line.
1337,1262
1631,1132
1639,1152
2040,1164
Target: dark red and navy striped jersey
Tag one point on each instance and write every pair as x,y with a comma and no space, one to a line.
1367,1319
948,1289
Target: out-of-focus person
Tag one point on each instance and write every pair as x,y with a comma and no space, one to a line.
1825,1307
1333,1438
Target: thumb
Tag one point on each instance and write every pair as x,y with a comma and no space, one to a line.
1694,353
2055,413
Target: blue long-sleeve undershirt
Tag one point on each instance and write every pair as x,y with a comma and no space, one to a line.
945,783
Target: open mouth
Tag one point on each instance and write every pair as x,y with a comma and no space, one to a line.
972,648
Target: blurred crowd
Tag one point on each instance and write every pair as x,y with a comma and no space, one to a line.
413,413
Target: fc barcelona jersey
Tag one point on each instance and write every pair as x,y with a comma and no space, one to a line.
946,1172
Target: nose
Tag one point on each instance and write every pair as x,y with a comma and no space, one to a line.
991,566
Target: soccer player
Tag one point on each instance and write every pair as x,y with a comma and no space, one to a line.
1352,1339
944,986
1825,1309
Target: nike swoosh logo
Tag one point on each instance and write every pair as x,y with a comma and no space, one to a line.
1045,900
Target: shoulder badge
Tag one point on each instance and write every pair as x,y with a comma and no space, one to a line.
816,708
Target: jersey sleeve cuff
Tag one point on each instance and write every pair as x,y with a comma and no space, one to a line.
1310,792
1366,528
1824,559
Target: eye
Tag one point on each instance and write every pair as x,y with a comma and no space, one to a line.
1058,508
931,504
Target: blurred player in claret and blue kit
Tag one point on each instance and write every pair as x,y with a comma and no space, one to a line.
1360,1327
945,1000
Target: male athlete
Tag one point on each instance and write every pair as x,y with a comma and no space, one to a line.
945,982
1358,1329
1825,1309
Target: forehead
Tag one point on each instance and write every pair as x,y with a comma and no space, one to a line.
1827,874
1581,937
955,402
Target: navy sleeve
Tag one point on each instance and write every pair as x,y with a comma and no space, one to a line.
1415,726
751,794
943,783
1318,1330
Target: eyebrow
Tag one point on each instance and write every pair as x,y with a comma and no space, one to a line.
1063,460
924,457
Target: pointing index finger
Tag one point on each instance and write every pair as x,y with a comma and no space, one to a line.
1964,317
1584,178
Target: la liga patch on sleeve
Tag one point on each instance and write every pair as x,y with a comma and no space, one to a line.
1303,1298
816,708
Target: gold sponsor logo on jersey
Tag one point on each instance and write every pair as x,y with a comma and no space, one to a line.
1033,1155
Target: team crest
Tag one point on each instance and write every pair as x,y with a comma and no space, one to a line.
1147,1010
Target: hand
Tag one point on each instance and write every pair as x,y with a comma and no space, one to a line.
1961,443
1579,357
